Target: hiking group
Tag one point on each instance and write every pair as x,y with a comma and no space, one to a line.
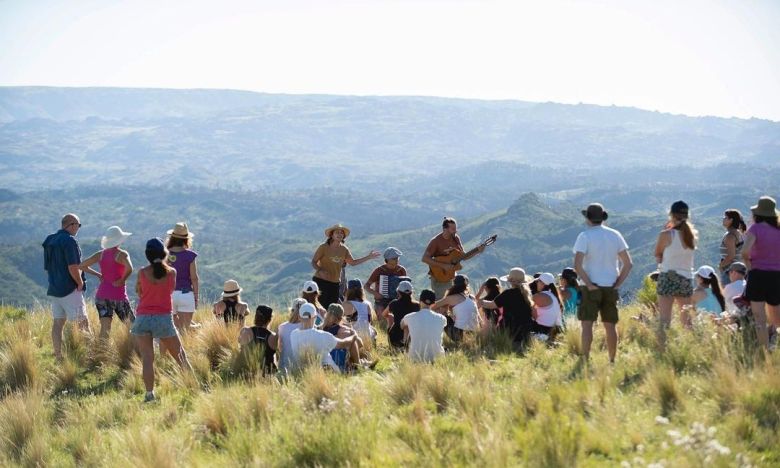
333,324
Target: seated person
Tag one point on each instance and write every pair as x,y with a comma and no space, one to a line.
260,335
307,340
424,330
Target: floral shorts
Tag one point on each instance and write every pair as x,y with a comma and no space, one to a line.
672,284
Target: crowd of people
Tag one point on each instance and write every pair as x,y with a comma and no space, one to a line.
333,323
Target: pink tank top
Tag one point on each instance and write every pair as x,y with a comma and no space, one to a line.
155,298
111,271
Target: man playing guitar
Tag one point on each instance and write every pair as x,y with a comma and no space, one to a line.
444,244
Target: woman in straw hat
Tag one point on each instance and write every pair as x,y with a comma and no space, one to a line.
761,255
329,260
230,308
517,304
115,269
182,259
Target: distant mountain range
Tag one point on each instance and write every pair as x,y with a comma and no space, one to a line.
259,176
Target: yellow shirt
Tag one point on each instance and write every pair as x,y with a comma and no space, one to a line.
331,261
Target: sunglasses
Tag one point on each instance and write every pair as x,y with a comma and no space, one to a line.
77,224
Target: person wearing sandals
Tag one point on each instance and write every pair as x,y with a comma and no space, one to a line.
182,259
328,261
115,269
466,317
674,252
732,242
154,319
260,335
230,308
761,255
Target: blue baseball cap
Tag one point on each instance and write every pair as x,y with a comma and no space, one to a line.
156,244
354,284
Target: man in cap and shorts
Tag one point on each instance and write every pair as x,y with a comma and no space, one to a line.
603,263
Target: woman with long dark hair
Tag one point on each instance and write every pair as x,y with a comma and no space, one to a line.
674,253
761,254
708,295
547,311
154,319
462,304
260,335
732,242
489,290
329,260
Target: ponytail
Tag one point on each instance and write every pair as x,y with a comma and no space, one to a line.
156,259
688,235
714,283
737,221
554,291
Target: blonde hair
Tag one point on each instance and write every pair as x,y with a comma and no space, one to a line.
295,309
524,289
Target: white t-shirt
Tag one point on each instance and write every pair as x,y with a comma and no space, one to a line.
284,332
549,316
601,246
319,342
425,334
732,290
466,315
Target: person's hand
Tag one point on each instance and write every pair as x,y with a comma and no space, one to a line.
99,276
374,254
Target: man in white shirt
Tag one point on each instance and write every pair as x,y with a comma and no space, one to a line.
736,287
308,339
425,329
602,262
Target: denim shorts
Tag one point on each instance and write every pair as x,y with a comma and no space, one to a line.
156,325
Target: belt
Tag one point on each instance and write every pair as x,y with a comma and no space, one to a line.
185,290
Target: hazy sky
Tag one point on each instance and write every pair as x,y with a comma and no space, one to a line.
694,57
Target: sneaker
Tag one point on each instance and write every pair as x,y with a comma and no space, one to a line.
149,397
772,339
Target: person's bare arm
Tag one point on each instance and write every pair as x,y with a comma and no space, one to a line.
138,283
578,258
750,240
354,262
195,280
124,258
661,245
625,268
344,343
75,273
487,304
245,336
86,264
731,251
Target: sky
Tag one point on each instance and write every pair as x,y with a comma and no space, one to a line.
691,57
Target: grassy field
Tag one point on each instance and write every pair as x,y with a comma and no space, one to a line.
704,401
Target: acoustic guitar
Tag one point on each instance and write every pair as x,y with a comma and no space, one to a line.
455,257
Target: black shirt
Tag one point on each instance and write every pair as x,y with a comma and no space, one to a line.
517,318
261,335
400,308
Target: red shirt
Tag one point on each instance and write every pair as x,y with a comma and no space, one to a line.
156,297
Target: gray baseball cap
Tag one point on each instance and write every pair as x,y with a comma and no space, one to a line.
391,253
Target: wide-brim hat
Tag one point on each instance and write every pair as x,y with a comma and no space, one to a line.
114,237
336,227
767,207
231,288
181,231
516,275
595,212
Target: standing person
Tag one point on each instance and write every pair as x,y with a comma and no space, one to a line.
182,259
319,343
358,310
761,254
570,292
489,290
285,331
260,335
231,309
424,330
328,261
465,313
396,311
547,311
602,262
61,260
155,287
442,244
708,296
391,269
732,242
674,254
115,269
517,305
736,285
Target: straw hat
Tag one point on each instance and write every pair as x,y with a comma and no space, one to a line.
335,227
516,275
231,288
181,231
114,237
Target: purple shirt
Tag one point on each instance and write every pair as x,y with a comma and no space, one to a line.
180,261
765,254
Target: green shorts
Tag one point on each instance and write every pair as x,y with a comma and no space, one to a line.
603,300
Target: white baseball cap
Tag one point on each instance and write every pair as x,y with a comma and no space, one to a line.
307,311
547,278
705,271
310,287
